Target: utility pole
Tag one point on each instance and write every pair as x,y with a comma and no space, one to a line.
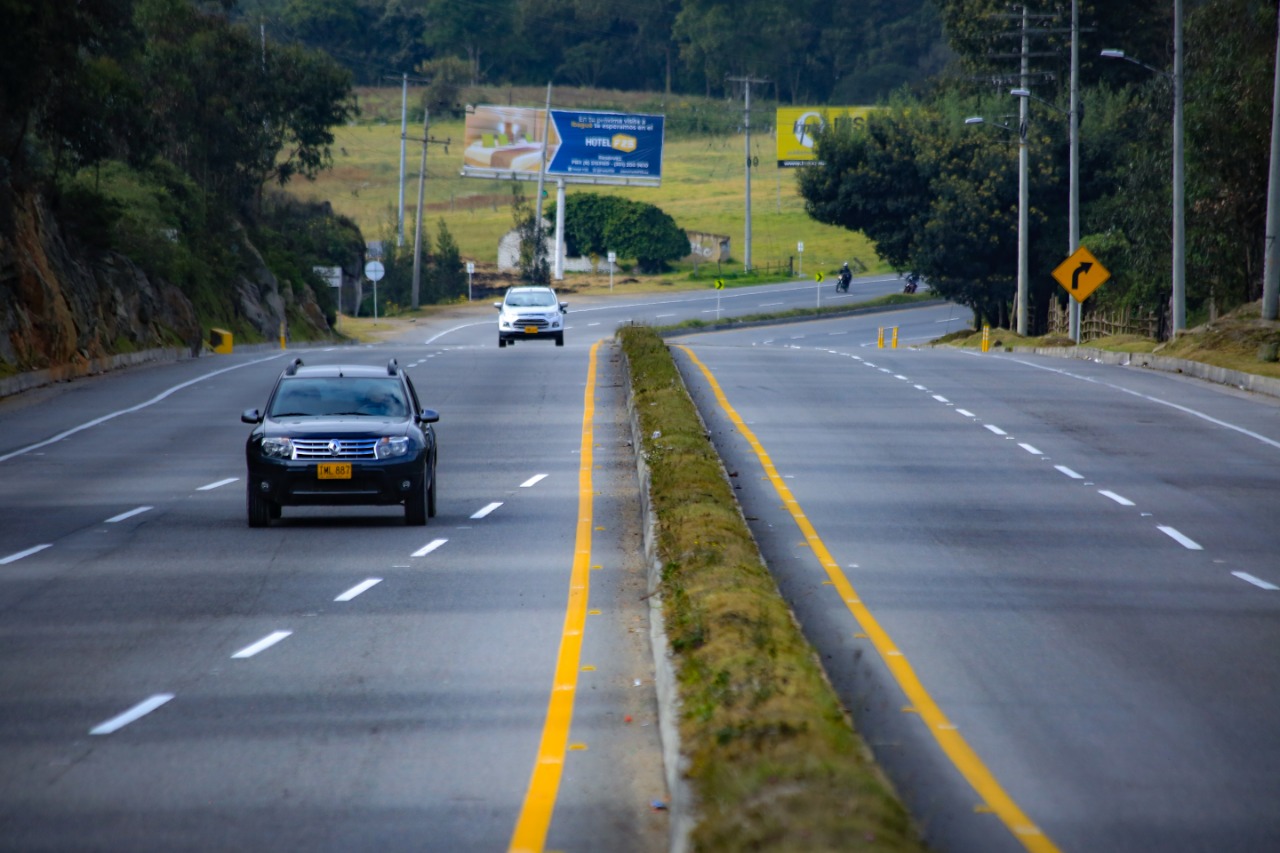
746,126
404,131
417,230
1073,203
1271,264
1179,185
1024,202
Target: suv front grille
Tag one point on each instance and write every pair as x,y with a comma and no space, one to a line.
521,322
334,448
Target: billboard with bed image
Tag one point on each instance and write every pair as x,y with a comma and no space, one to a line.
581,146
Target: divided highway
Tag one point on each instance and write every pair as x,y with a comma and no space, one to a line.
1075,563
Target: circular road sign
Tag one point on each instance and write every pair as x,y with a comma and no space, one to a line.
374,270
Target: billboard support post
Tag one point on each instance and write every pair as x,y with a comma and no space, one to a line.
558,266
542,172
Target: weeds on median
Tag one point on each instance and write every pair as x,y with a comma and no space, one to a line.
774,761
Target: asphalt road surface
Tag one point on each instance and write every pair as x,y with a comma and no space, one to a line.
173,680
1047,588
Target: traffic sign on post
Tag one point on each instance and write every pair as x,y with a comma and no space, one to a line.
374,271
1081,274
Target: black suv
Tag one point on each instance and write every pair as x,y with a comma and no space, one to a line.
341,435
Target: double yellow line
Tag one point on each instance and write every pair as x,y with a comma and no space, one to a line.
956,748
540,797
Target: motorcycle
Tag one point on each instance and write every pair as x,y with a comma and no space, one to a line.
913,282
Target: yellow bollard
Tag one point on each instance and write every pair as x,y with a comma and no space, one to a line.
895,338
986,338
282,346
880,339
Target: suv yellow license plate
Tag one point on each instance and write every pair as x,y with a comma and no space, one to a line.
334,471
531,330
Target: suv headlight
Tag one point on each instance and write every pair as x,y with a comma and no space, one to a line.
277,448
391,447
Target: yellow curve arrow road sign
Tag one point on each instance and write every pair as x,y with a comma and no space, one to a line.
1081,274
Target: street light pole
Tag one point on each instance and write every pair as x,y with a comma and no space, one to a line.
1023,188
1271,264
1073,203
1179,299
1179,184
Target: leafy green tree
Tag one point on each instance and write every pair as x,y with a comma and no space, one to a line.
535,266
479,30
646,233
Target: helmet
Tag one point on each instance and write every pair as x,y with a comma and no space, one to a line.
846,264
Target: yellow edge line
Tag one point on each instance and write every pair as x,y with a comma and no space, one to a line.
540,798
948,737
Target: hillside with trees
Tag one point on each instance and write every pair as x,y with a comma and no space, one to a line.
940,196
834,51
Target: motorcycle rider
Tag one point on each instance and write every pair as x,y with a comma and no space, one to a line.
846,276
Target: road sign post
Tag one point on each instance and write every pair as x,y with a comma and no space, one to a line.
613,256
471,269
800,252
374,271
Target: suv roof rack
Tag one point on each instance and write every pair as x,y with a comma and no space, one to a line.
292,369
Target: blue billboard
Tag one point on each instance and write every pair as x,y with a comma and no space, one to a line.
607,145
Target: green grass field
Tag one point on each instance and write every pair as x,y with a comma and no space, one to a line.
703,188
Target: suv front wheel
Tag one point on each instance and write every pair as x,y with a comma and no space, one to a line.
260,509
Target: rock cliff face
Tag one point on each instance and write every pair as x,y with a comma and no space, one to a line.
59,307
63,307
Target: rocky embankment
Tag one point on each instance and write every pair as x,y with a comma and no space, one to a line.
67,310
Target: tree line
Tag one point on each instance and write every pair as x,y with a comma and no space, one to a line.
838,51
939,196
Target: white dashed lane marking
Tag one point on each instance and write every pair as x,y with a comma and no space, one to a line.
533,481
262,645
363,586
136,712
1185,541
13,558
219,484
485,510
429,547
115,519
1258,582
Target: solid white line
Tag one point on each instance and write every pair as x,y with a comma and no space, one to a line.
429,547
13,558
533,481
156,399
1258,582
359,588
1030,449
483,511
966,413
995,429
1072,474
218,484
130,514
137,711
1185,542
940,398
1120,499
263,644
1157,400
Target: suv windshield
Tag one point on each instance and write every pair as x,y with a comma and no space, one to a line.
532,299
325,396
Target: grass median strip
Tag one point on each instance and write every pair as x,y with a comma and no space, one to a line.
774,762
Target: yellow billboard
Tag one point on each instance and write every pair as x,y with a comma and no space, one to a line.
798,127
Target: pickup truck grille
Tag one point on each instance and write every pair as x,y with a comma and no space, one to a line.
334,448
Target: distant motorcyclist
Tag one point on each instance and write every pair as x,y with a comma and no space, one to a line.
846,276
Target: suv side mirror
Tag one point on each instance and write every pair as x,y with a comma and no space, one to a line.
498,305
429,416
564,307
251,416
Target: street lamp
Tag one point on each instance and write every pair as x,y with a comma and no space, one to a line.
1179,177
1073,193
1024,206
